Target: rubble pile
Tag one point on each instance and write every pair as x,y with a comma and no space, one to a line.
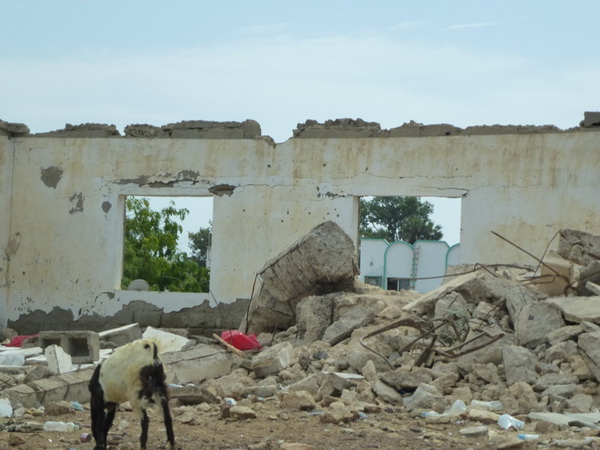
491,349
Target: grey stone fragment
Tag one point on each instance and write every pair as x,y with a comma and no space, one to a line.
589,343
561,351
386,393
588,277
579,246
591,119
473,287
578,309
301,400
414,129
519,364
205,129
13,129
425,396
401,379
203,362
84,130
193,395
144,131
532,319
342,328
273,359
338,128
314,314
551,379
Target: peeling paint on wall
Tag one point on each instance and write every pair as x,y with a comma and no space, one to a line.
51,176
13,246
106,206
222,189
77,200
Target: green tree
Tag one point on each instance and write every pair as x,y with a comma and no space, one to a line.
200,243
150,249
398,218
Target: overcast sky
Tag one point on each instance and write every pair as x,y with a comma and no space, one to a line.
281,63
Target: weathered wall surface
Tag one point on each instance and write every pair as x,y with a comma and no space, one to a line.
63,201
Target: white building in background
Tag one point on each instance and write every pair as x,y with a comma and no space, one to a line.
400,265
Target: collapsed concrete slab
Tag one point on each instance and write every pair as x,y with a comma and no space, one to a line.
200,363
579,246
322,261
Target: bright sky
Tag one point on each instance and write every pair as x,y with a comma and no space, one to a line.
280,63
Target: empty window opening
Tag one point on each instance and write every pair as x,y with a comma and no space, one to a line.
167,243
406,242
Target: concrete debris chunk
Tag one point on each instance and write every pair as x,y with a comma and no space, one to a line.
59,361
168,342
579,246
322,261
532,319
273,359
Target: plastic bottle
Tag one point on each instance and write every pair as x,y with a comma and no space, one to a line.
60,426
458,408
528,437
507,422
494,405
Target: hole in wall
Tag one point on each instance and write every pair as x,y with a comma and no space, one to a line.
398,265
158,247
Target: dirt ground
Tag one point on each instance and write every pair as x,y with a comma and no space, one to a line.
269,431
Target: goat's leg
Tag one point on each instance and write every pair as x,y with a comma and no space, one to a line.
164,403
144,435
98,419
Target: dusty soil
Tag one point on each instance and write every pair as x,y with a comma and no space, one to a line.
272,428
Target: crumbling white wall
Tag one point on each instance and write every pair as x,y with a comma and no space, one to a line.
62,200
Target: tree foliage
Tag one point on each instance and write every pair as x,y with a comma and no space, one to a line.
200,244
150,249
398,219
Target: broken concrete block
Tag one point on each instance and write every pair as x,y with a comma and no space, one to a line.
313,315
273,360
300,400
12,359
309,384
578,309
491,353
322,261
242,412
589,277
589,343
122,335
58,360
334,383
346,323
473,287
403,380
192,395
203,362
532,319
519,364
426,396
83,346
556,273
234,384
23,394
579,246
168,342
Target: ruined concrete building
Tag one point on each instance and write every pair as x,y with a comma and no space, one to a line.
63,192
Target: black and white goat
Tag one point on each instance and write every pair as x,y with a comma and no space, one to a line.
133,373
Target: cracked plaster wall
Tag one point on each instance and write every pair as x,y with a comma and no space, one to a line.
61,234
